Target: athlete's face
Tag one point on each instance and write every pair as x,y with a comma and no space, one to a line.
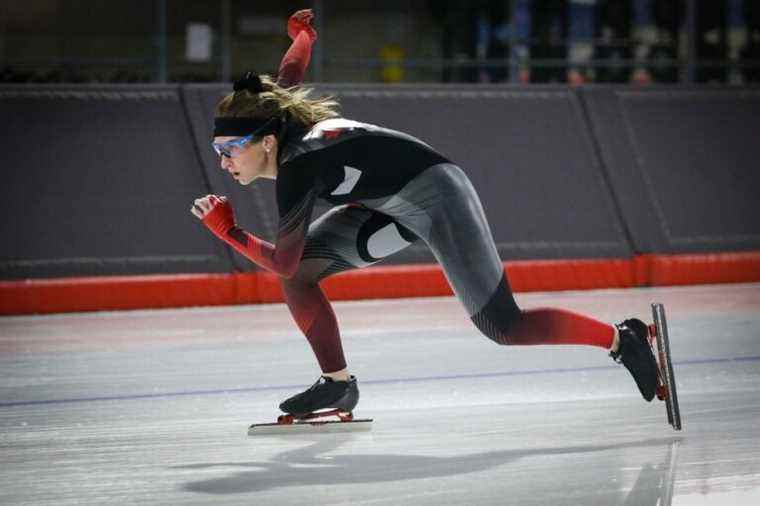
250,161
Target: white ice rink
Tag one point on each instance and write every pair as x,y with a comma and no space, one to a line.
152,407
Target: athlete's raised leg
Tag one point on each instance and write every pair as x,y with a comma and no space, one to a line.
442,207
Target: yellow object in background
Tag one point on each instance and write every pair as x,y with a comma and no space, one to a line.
392,57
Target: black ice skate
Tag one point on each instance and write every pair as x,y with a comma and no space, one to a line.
326,393
653,375
317,409
635,353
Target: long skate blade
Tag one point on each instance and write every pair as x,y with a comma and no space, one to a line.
666,365
310,427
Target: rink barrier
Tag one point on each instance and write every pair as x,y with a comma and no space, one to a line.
62,295
600,171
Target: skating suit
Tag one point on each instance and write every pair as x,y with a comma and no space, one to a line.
389,190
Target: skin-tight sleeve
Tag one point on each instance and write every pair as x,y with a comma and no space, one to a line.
296,60
281,258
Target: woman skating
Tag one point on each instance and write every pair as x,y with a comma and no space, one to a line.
389,190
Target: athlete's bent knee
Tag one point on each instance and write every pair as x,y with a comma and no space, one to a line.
498,315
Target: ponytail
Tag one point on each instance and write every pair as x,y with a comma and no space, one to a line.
258,97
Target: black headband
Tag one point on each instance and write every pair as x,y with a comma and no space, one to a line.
240,127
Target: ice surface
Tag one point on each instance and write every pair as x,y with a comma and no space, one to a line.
153,407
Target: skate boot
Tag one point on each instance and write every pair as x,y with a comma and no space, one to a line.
636,355
326,393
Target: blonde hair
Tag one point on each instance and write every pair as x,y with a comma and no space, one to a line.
275,100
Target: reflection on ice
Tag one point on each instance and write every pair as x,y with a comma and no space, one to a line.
320,463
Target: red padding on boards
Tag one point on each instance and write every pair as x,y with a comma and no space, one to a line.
740,267
62,295
137,292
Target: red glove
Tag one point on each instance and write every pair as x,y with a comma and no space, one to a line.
301,22
216,213
221,219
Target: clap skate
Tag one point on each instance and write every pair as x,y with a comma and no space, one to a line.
666,380
325,407
652,370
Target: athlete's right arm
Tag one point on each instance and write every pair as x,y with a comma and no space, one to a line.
281,258
297,190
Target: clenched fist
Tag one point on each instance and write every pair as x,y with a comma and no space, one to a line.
203,206
216,213
301,22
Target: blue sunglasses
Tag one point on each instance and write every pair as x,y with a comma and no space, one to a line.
231,148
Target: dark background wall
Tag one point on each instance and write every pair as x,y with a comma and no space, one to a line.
683,165
100,179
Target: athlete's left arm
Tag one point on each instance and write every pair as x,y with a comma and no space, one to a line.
296,60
